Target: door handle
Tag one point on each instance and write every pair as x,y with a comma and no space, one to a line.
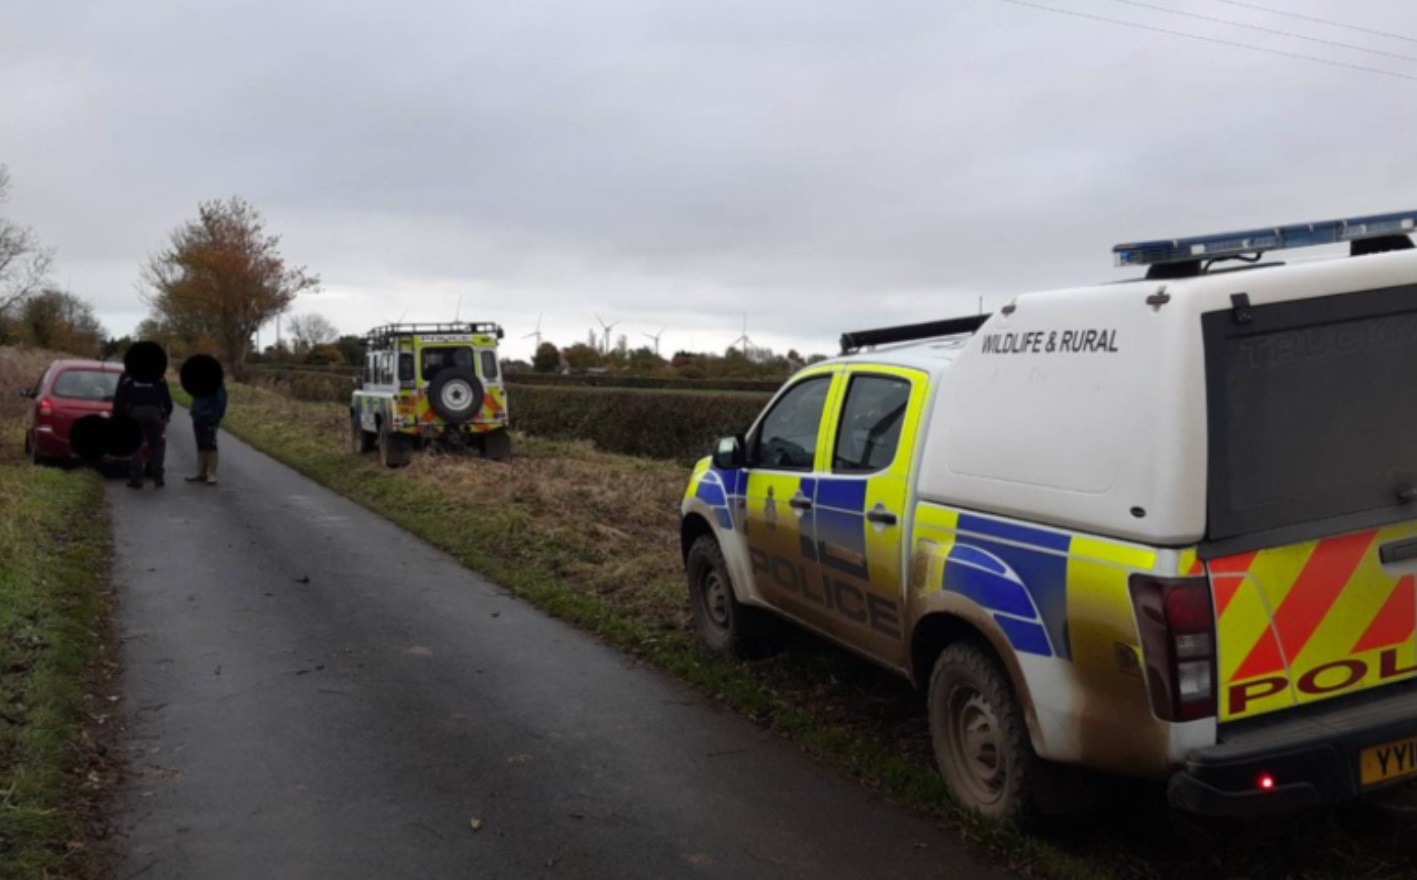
800,503
1397,551
880,516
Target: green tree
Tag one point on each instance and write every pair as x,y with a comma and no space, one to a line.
644,361
222,276
581,357
325,354
60,321
547,358
114,348
352,349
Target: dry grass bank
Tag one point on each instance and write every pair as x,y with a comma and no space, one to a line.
55,651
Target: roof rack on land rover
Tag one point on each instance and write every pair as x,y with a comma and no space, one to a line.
1184,257
908,332
381,335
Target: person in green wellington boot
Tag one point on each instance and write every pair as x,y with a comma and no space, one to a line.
207,413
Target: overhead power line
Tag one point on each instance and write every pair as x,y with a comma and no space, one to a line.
1216,40
1328,21
1263,29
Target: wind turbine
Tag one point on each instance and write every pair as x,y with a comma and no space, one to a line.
655,337
536,333
745,338
605,341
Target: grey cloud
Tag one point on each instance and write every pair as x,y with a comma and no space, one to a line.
821,165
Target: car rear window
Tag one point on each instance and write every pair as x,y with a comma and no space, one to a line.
1313,411
94,385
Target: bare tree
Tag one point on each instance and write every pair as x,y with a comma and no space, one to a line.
222,277
311,330
24,264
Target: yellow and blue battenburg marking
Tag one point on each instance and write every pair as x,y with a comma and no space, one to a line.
840,519
716,488
1018,573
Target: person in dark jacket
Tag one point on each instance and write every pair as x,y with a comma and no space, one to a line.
150,405
207,413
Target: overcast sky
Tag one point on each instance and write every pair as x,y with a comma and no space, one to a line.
820,165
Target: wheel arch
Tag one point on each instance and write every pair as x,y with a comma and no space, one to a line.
693,527
936,631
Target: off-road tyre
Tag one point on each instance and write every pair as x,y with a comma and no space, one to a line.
455,395
361,441
980,736
394,449
497,445
726,626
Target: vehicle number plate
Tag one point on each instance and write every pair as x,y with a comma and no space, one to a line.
1387,762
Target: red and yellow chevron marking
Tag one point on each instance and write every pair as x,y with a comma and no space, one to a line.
1310,621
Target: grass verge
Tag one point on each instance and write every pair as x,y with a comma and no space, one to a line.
53,622
593,538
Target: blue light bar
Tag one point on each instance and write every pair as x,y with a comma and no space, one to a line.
1228,244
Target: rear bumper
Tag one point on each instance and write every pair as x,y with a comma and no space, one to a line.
1313,759
49,444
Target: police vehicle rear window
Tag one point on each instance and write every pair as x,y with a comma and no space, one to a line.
440,358
1312,413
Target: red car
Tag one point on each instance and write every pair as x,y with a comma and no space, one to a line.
68,391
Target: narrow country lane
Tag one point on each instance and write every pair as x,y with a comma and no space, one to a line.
313,693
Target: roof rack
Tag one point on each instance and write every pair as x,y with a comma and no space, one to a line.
1181,257
908,332
379,337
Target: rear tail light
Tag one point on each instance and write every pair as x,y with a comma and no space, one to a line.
46,408
1176,622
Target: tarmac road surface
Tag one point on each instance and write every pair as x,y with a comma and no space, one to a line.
312,693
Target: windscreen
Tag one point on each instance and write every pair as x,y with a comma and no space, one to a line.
1313,411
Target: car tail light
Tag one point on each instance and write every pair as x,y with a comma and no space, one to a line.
46,408
1176,622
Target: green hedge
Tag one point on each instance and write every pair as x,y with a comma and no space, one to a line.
315,387
613,380
657,424
679,425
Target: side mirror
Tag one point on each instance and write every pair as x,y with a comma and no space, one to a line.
29,393
729,454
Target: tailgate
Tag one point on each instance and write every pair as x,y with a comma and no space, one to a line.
71,411
1313,620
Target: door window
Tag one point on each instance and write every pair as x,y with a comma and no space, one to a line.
787,437
489,365
870,425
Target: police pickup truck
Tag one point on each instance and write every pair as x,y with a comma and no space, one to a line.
1164,528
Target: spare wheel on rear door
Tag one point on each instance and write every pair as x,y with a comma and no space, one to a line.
455,395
